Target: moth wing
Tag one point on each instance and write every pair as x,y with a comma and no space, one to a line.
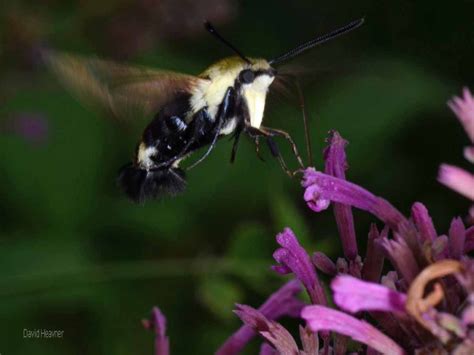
125,93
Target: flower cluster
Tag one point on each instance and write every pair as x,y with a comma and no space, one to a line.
424,303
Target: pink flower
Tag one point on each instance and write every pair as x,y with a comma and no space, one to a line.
282,303
457,179
336,165
374,258
321,189
276,335
423,222
424,304
270,330
453,177
354,295
324,318
157,322
464,110
293,258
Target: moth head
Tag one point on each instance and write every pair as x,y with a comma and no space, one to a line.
251,79
254,80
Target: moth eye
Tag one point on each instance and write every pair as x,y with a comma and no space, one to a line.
247,76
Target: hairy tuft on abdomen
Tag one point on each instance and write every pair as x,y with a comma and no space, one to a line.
141,185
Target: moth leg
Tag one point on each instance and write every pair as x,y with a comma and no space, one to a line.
257,148
256,133
235,145
211,147
224,109
276,153
277,132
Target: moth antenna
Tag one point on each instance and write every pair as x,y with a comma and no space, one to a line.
316,41
209,27
309,149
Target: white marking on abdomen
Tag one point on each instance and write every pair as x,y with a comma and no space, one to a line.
144,156
229,127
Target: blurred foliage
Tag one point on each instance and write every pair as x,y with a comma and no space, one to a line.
76,256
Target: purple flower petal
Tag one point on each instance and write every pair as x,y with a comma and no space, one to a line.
466,278
280,269
464,110
469,243
457,238
336,165
457,179
322,188
342,266
267,349
410,234
423,222
323,263
452,324
430,321
468,313
157,322
468,153
309,340
293,257
340,344
281,303
314,199
323,318
401,257
439,248
390,280
373,263
272,331
355,267
371,351
466,347
354,295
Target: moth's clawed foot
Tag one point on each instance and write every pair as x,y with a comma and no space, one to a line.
257,149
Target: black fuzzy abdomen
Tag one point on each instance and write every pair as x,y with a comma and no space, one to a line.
168,132
140,185
170,137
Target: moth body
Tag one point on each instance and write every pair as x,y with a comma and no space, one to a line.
194,117
187,112
230,96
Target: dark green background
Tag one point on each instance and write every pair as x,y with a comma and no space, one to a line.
76,256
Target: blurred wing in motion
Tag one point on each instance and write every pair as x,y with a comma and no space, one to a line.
126,93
